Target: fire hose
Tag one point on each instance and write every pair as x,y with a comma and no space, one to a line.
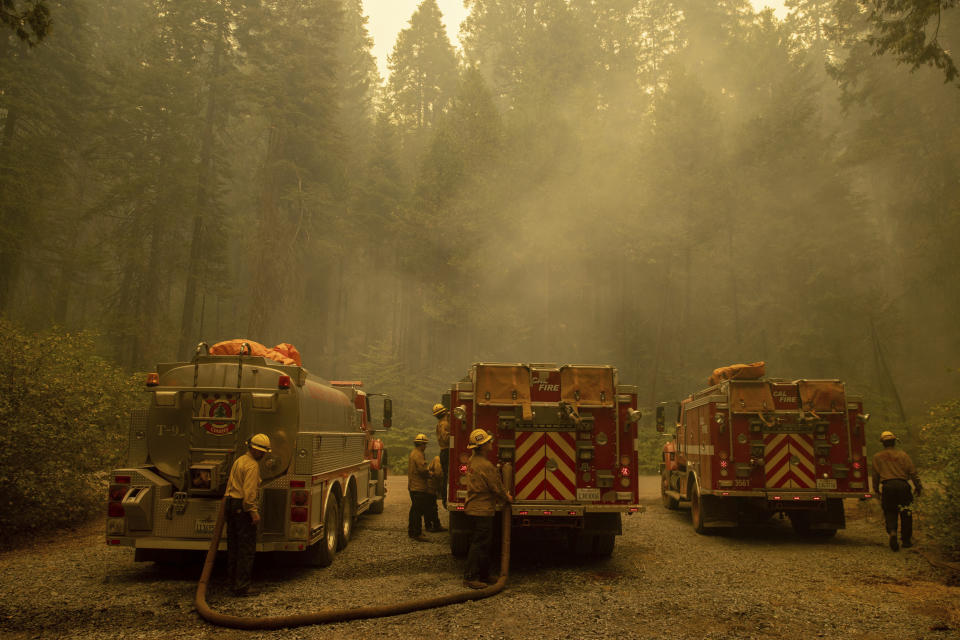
325,616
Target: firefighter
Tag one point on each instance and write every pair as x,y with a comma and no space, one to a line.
435,487
243,515
443,441
891,470
484,490
417,475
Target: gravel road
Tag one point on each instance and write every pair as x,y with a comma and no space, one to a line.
663,581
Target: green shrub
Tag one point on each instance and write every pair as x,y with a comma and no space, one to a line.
64,413
940,505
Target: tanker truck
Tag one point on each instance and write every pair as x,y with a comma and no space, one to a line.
326,466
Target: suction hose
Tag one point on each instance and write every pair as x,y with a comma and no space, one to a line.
325,616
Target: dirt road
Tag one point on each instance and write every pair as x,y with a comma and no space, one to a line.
663,581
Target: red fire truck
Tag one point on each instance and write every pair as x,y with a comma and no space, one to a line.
749,447
570,434
325,468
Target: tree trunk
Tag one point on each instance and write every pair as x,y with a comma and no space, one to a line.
204,187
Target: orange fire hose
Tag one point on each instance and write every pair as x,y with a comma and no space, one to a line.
325,616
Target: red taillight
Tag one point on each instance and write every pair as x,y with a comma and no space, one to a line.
117,491
283,382
723,464
298,514
522,513
867,495
625,472
856,465
300,498
153,379
121,479
463,468
459,507
115,510
776,497
548,513
571,513
796,497
298,483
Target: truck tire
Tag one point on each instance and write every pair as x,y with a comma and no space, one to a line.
696,509
376,507
460,535
603,544
668,502
348,516
322,552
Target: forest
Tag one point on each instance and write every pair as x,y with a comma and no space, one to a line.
663,185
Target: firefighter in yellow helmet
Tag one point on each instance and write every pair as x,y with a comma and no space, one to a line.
443,441
417,475
243,515
891,470
484,490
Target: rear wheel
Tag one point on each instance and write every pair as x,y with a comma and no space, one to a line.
321,554
696,509
603,544
459,535
668,502
347,518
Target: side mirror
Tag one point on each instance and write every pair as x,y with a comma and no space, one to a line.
661,420
387,413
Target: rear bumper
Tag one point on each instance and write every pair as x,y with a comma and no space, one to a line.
788,496
198,544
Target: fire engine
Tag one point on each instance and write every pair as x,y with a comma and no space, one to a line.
326,465
570,434
749,447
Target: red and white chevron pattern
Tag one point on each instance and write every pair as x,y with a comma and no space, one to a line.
789,462
535,478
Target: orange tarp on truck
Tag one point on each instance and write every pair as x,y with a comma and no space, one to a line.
751,371
284,353
822,395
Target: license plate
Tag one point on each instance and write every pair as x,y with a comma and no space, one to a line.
588,494
826,483
204,526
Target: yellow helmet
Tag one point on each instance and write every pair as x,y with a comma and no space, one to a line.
477,438
887,435
439,410
260,442
421,439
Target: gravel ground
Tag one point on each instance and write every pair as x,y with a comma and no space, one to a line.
663,581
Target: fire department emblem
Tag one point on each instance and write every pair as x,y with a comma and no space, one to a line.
219,406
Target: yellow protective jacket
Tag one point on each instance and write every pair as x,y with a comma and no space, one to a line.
244,481
892,464
443,432
417,472
484,488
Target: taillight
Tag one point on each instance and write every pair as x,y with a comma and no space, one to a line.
298,514
463,468
116,492
299,498
153,379
856,465
625,472
283,382
115,510
723,464
121,479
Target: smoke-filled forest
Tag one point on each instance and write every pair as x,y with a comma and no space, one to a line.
664,185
